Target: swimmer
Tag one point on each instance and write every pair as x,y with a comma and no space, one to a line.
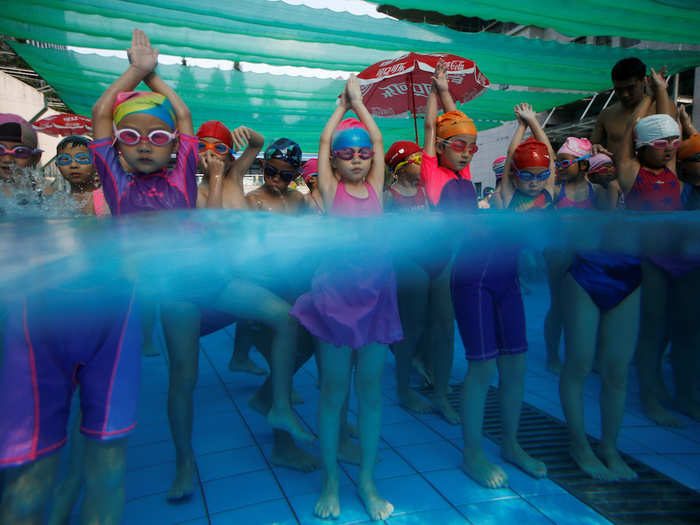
689,162
314,200
342,312
18,146
281,166
74,161
602,171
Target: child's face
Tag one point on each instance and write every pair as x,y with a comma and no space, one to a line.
572,171
689,170
278,174
226,157
75,172
654,158
603,175
531,187
451,159
8,162
353,170
145,157
409,172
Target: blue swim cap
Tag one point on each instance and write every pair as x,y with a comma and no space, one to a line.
355,137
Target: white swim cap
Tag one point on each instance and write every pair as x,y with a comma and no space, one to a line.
654,127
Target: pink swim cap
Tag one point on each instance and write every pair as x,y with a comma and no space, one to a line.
309,169
578,147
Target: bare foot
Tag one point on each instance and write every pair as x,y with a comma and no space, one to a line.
414,403
287,420
290,456
246,365
377,507
484,472
183,486
616,465
658,414
588,462
554,365
349,451
420,368
689,407
442,405
521,459
328,505
257,403
296,398
149,349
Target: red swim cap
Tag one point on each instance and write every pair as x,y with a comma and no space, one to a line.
215,130
399,151
531,154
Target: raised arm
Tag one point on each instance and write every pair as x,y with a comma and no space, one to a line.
375,177
182,112
507,188
253,142
528,115
658,87
327,183
143,60
443,87
215,167
625,161
431,109
686,123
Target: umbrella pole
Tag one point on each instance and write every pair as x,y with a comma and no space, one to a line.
413,108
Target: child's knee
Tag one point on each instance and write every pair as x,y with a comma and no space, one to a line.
26,496
107,463
614,376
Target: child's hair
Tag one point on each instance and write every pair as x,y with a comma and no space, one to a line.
454,123
654,127
350,133
14,128
215,130
129,102
400,151
73,141
531,154
629,68
689,147
286,150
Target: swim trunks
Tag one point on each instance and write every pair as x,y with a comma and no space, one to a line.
607,278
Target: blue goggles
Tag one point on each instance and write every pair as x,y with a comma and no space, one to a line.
64,159
527,176
563,164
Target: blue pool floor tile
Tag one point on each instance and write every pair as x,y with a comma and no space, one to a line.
508,510
274,512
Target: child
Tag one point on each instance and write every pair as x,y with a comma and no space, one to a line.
18,146
352,305
280,167
314,201
223,175
74,161
689,162
423,285
669,283
601,171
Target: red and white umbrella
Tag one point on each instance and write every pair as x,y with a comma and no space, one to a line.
64,124
400,87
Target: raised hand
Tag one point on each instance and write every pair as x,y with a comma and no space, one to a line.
141,55
657,80
353,93
213,164
439,79
524,112
244,136
598,148
683,114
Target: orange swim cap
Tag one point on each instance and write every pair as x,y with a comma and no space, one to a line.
454,123
689,147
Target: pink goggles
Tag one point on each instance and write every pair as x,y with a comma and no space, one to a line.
131,137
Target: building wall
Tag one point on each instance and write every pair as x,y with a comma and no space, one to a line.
492,143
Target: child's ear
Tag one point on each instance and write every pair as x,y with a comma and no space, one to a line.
583,165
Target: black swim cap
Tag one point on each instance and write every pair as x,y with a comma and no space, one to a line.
286,150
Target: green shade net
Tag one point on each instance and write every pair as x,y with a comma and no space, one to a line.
661,20
281,34
274,105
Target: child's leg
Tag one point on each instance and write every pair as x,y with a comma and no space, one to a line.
251,301
243,342
67,491
27,490
105,474
511,384
553,321
617,340
684,314
148,322
653,337
368,387
442,328
473,400
181,322
581,318
413,289
336,369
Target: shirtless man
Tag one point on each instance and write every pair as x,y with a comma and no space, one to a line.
280,168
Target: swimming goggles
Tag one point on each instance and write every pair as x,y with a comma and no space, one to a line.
606,170
527,176
131,137
563,164
459,146
285,175
349,153
662,144
217,147
19,152
64,159
413,159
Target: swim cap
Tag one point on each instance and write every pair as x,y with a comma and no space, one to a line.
14,128
689,147
350,133
454,123
596,161
654,127
576,147
531,154
213,129
399,151
310,169
128,102
286,150
499,165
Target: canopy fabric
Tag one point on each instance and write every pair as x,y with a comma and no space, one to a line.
660,20
274,105
280,34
